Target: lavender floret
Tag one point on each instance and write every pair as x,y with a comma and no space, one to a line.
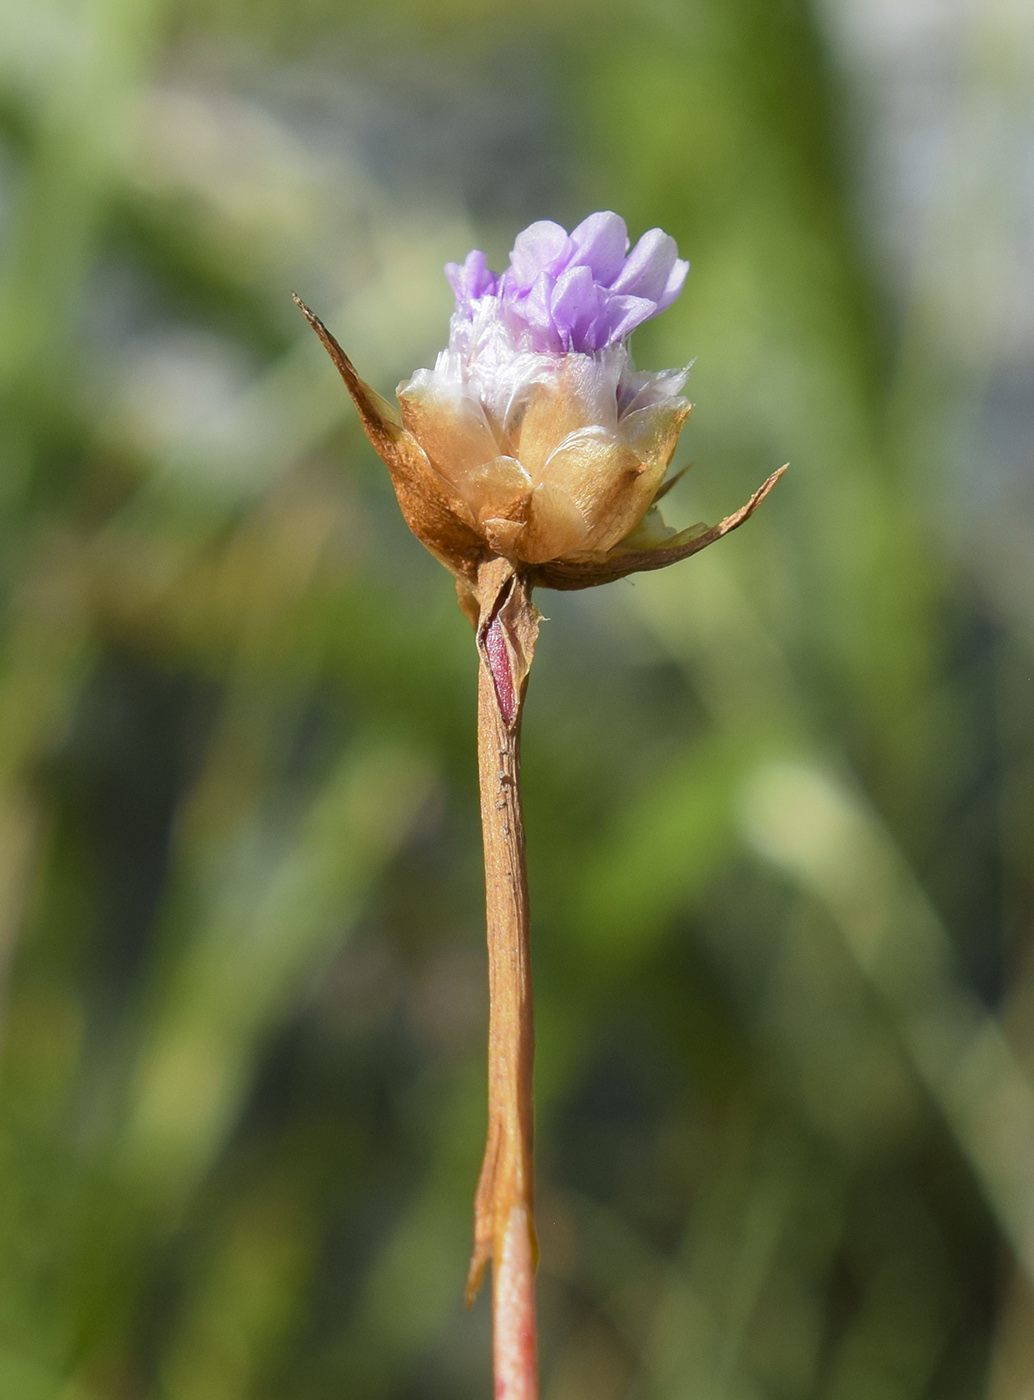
579,292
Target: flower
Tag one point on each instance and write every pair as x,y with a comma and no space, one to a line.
534,439
533,453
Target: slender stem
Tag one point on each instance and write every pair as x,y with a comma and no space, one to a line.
503,1223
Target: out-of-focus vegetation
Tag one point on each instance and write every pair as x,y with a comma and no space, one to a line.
779,798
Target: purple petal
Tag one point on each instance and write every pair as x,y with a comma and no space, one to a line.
648,266
674,284
601,242
575,305
542,247
623,314
471,280
535,310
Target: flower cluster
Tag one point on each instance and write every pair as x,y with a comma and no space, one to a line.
561,293
534,439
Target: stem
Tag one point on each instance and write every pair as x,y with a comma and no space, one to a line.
503,1225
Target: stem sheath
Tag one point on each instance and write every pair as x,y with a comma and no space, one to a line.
503,1221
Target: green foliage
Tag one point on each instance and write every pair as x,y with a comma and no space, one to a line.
785,1142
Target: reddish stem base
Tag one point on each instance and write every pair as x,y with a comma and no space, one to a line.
513,1313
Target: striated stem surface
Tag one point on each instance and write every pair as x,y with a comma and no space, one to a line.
503,1223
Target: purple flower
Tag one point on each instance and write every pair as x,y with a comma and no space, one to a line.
579,292
534,416
534,439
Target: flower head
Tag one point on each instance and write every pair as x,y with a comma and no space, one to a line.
534,439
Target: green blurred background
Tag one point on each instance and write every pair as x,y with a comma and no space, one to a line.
779,798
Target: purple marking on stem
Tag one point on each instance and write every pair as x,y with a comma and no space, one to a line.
499,665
